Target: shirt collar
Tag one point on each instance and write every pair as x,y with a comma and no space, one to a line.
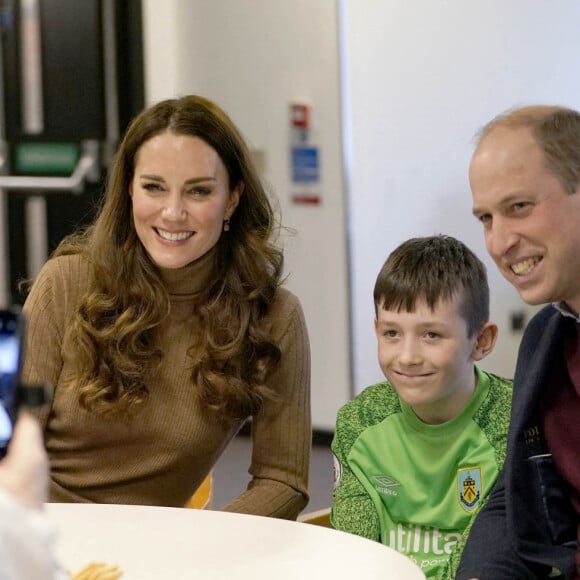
565,310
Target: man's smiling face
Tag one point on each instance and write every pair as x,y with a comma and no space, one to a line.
531,223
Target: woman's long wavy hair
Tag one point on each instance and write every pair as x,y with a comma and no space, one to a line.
116,324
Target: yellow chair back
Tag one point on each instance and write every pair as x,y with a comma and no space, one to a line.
202,499
318,518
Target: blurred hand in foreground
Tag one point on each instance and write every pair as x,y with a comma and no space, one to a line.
24,472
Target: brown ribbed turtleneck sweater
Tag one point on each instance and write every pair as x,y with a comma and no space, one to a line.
161,455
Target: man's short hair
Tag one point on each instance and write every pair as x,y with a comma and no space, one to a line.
431,269
557,132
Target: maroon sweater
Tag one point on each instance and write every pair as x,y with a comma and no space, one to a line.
562,425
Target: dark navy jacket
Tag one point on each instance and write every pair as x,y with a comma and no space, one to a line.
528,525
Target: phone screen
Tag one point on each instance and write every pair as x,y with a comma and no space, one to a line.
11,327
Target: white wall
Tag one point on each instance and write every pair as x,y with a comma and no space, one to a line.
420,78
254,57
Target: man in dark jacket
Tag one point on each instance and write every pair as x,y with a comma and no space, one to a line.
525,181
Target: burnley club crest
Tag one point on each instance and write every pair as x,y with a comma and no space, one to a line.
469,487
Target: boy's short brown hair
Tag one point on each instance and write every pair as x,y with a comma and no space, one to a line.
431,269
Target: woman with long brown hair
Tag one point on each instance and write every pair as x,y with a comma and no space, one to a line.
164,326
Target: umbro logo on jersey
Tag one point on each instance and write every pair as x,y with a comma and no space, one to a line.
385,484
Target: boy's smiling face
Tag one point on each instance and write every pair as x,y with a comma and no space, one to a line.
428,357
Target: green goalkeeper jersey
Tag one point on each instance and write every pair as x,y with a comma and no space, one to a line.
417,487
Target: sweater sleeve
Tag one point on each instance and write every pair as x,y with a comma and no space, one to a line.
45,326
352,508
281,432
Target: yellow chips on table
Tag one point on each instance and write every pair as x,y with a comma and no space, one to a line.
98,571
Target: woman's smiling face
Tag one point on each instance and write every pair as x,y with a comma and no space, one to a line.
181,196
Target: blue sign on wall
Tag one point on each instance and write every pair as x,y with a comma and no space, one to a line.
305,165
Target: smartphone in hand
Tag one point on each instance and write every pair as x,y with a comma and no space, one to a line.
12,327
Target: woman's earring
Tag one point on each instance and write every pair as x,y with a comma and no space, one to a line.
226,225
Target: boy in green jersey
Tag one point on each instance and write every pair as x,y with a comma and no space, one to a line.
416,456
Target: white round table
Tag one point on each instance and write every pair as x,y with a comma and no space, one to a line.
155,543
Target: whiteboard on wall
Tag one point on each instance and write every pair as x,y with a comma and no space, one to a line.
419,79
